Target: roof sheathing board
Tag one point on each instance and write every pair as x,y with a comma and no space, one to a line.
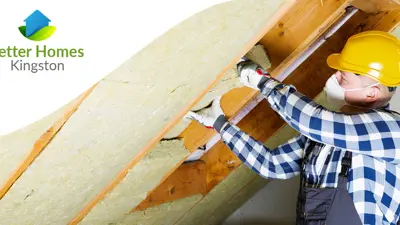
130,107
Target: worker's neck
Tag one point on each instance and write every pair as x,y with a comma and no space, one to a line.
349,109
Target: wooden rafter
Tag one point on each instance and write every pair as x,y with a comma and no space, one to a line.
374,6
189,179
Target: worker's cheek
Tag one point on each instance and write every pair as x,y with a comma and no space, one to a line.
338,75
355,98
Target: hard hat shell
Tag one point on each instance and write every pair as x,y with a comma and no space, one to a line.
372,53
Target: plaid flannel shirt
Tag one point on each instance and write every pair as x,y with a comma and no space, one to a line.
372,137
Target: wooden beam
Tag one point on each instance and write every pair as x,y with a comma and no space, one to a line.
374,6
299,28
188,180
309,79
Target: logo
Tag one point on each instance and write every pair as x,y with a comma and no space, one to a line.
37,27
41,57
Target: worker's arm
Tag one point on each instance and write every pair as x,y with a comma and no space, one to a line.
283,162
375,133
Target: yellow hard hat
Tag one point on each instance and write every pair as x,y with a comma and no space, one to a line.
372,53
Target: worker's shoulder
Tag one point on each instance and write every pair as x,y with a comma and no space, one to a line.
388,114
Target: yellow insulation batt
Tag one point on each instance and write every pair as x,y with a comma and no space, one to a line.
127,113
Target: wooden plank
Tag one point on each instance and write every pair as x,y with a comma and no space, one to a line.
309,79
299,28
374,6
166,213
188,180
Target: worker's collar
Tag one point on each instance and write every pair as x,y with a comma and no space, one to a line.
386,107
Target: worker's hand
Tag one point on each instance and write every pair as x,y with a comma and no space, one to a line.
251,74
212,117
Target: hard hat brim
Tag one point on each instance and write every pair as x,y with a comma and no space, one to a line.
334,61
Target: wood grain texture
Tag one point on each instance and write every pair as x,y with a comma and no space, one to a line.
374,6
188,180
166,213
303,24
219,196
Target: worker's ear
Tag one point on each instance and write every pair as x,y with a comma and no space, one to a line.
372,94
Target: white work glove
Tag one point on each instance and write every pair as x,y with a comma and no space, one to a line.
251,74
212,117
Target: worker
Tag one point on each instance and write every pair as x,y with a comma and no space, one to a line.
347,159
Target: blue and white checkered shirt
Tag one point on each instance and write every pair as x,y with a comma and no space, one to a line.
372,137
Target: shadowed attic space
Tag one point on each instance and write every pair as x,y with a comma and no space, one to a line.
104,160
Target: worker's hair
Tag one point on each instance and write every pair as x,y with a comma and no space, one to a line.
392,89
387,94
